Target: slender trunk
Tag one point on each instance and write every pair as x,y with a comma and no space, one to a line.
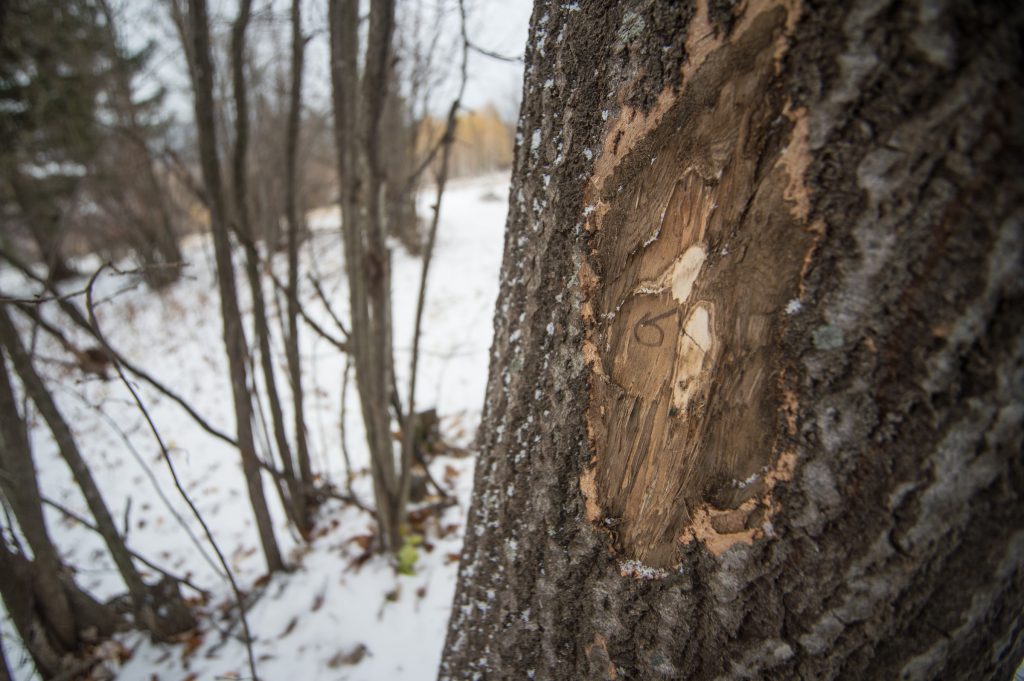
21,490
290,490
409,423
40,396
5,670
295,230
376,366
234,336
756,391
365,259
16,589
161,622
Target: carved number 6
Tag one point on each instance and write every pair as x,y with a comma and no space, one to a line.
652,334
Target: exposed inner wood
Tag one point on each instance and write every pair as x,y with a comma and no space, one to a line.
699,236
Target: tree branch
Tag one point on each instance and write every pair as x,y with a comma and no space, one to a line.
170,466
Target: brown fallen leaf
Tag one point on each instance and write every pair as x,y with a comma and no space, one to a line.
191,645
290,628
363,541
446,530
354,656
450,558
359,561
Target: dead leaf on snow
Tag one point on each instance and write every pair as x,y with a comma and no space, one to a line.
290,628
354,656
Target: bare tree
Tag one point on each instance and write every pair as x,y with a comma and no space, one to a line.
163,616
445,144
292,497
296,230
47,607
367,265
378,179
235,344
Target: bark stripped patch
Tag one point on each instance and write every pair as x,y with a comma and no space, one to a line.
699,234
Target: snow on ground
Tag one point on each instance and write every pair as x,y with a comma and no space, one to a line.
330,618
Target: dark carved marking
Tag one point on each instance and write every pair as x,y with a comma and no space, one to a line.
647,321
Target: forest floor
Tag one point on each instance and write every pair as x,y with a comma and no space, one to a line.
340,613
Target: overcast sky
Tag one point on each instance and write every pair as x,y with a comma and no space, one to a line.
500,26
496,25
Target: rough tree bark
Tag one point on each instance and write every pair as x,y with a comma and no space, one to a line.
757,385
234,335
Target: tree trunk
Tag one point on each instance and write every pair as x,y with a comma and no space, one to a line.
23,597
367,260
296,227
234,335
5,670
757,385
290,490
21,490
16,589
375,367
162,617
398,149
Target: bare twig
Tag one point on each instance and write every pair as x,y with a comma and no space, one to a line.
327,305
79,319
170,466
494,55
339,344
409,424
349,473
157,487
322,490
57,297
67,512
127,522
40,299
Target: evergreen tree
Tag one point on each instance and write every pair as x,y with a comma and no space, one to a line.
50,78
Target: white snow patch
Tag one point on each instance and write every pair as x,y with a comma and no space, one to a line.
175,335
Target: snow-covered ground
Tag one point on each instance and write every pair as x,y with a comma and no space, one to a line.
330,618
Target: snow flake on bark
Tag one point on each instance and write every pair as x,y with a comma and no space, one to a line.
637,570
